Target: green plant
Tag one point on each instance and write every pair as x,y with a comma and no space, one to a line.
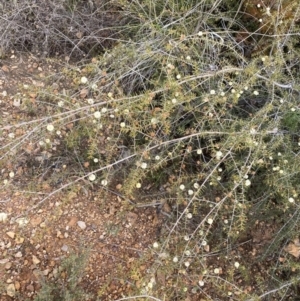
66,286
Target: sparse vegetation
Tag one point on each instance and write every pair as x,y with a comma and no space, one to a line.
194,106
66,287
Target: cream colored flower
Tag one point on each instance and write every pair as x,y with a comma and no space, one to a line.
210,221
219,155
92,177
97,114
247,183
83,80
199,151
104,182
50,127
155,245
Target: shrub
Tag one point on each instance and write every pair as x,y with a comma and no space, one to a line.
73,28
182,105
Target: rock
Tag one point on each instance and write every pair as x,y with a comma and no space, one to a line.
18,255
11,290
46,272
64,248
17,102
35,260
23,221
19,240
43,225
36,274
10,234
30,288
81,225
52,263
72,221
55,272
36,221
59,234
3,261
3,216
8,265
17,285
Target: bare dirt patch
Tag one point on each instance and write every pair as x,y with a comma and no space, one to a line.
37,242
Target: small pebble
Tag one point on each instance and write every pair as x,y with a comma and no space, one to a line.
64,248
3,216
46,272
43,225
11,290
81,225
35,260
10,234
8,265
18,255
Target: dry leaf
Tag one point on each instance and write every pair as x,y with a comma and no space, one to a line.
5,68
161,277
33,95
293,248
84,93
79,34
